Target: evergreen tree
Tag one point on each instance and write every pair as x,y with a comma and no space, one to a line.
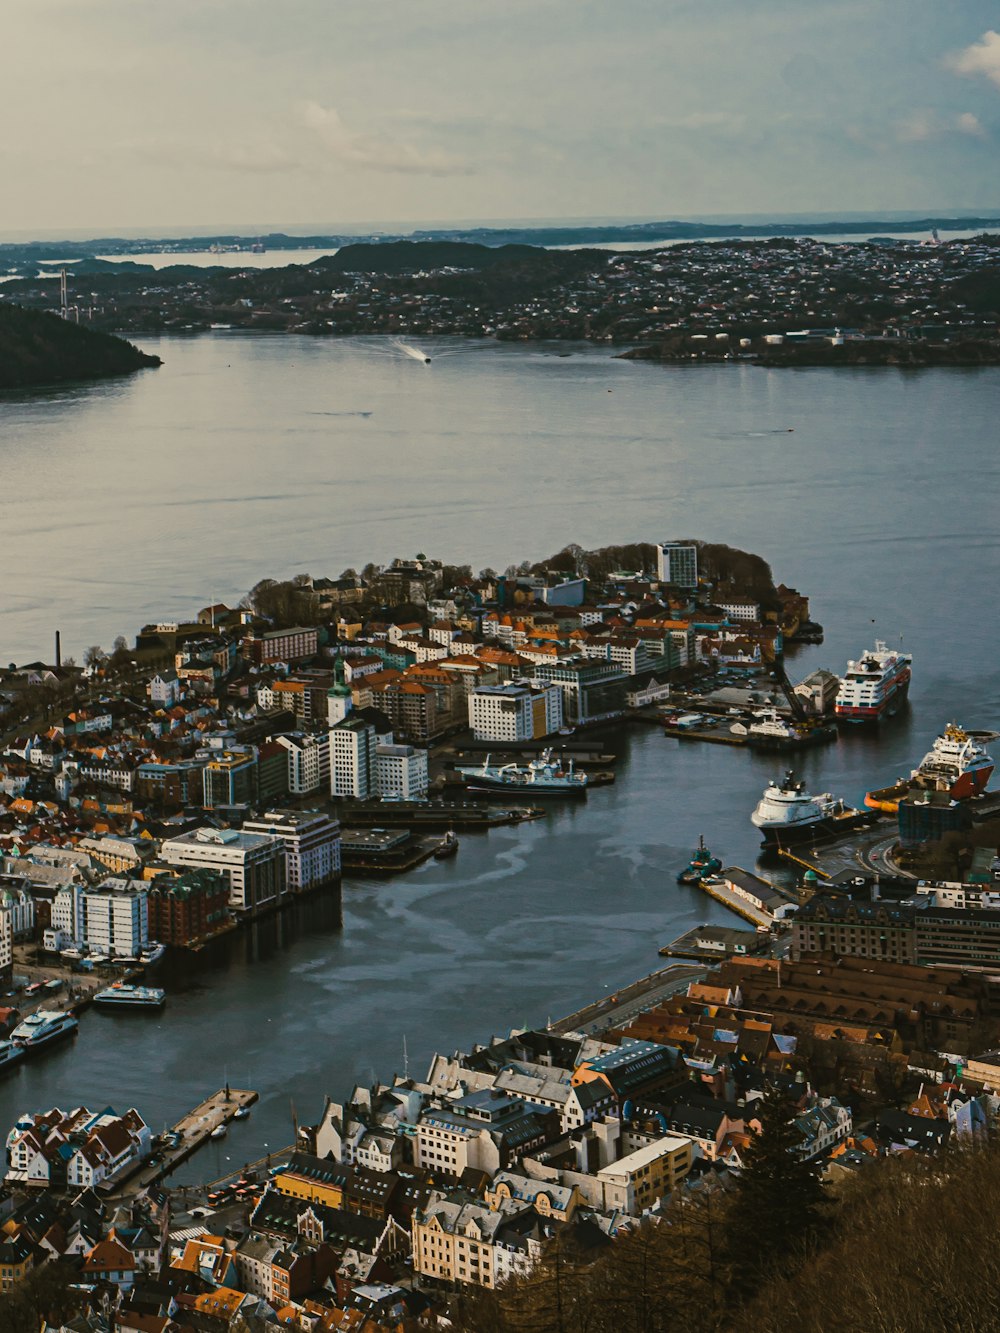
777,1209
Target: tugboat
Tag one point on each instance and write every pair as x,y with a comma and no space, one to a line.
447,847
702,863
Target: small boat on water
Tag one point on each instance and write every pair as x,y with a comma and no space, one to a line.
702,863
219,1132
242,1114
447,847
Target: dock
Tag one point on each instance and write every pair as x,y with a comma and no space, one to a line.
713,735
715,943
736,904
193,1131
432,815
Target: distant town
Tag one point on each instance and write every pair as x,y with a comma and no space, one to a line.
780,301
160,794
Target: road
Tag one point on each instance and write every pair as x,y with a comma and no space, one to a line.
630,1001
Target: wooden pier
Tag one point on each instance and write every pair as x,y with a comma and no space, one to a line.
193,1131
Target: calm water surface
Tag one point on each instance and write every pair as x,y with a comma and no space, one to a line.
250,456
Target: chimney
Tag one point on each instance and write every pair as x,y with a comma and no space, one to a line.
58,652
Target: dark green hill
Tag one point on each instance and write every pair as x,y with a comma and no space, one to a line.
38,348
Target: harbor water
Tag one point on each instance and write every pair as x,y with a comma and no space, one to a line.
242,457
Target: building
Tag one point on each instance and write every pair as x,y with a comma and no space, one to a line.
483,1130
512,713
230,778
6,943
184,909
677,563
311,842
75,1150
352,759
454,1241
641,1178
591,690
253,863
401,772
284,645
308,761
116,918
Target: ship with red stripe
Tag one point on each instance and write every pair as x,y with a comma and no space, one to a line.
956,764
875,686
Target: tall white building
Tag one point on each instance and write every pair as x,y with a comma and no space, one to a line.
352,759
677,563
6,943
401,771
515,712
115,918
253,862
308,761
312,845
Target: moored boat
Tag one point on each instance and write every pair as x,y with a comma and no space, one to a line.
956,764
43,1027
447,847
10,1053
702,863
875,686
543,777
124,996
787,813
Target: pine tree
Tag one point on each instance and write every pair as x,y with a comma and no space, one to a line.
777,1209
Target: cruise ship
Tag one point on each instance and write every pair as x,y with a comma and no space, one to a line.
875,686
543,776
123,996
955,764
787,813
45,1026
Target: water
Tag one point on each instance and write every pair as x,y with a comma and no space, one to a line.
249,456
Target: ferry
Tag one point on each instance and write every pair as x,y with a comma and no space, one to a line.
47,1025
955,764
875,686
544,776
10,1053
787,813
124,996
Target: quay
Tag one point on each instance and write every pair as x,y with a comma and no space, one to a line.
630,1001
434,815
191,1132
713,735
755,915
381,851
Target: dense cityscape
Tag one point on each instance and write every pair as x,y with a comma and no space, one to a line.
162,795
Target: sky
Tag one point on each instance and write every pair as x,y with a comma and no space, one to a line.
129,114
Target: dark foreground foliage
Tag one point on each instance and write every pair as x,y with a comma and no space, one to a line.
38,348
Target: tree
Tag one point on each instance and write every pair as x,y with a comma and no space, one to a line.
777,1209
93,655
120,645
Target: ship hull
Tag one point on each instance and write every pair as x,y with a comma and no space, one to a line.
872,715
530,790
817,830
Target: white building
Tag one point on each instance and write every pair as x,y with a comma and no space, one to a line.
91,1146
352,759
18,902
740,608
253,862
312,846
401,771
308,761
115,918
165,688
6,941
499,713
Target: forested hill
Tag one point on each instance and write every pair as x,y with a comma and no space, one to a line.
38,348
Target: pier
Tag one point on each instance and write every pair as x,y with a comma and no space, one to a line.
192,1132
630,1001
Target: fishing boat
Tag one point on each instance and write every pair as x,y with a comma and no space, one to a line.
543,777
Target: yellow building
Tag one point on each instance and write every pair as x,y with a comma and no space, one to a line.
637,1181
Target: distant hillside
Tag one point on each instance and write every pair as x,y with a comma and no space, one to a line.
412,256
38,348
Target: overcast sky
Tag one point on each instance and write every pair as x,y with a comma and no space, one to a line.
182,113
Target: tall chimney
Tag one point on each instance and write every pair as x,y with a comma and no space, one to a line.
58,652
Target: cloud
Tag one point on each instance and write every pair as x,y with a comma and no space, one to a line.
920,126
982,57
967,123
376,152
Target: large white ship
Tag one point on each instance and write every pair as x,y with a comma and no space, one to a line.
123,996
787,813
956,764
875,686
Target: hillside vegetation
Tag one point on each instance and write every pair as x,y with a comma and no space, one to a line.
37,348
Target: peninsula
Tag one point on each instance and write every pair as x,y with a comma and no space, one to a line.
38,348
